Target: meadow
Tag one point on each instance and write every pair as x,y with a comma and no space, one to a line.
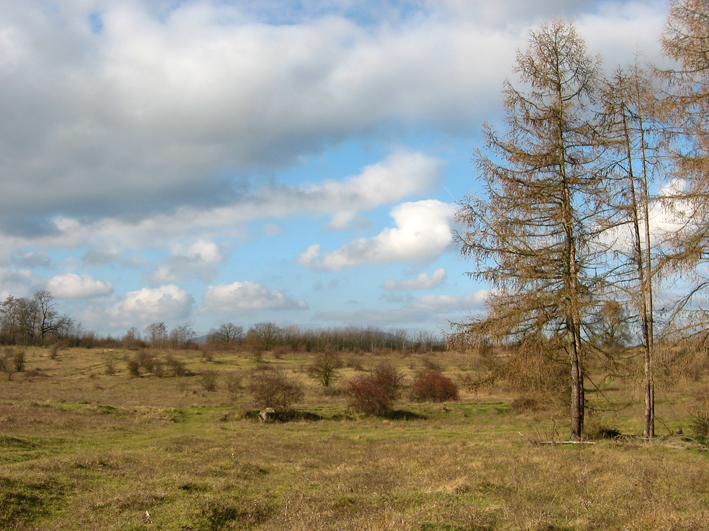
87,445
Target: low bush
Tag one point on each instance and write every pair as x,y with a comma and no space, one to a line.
389,378
324,367
275,390
233,381
432,386
133,366
367,395
110,366
176,366
524,404
56,348
208,379
374,394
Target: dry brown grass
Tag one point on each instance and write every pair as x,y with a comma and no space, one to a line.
80,449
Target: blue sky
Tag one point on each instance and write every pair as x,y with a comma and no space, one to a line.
243,161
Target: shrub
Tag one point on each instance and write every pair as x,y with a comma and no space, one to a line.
432,386
233,382
145,360
354,362
6,363
431,365
56,348
110,364
369,396
17,358
275,390
176,366
209,379
524,404
133,367
389,378
324,367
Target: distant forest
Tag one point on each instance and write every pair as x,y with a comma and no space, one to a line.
36,321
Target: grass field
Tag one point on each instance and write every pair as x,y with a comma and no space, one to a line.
82,449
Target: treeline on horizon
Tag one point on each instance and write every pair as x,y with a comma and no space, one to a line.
35,321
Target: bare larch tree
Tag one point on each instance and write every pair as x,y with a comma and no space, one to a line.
532,234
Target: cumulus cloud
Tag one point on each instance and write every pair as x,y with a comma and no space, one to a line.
147,305
422,281
245,296
199,260
422,233
73,286
400,175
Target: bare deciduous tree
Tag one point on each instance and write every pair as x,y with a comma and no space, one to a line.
228,334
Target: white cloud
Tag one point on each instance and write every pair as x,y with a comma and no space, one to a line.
402,174
17,282
245,296
162,304
422,233
200,260
73,286
422,281
149,119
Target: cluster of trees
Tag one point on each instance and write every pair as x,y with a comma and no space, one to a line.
595,199
34,320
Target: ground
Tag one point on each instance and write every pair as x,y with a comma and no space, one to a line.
83,449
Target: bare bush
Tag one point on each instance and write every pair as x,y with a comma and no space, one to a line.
56,348
208,379
431,364
432,386
525,404
176,366
389,378
110,365
206,353
7,362
133,366
234,384
324,367
17,357
275,390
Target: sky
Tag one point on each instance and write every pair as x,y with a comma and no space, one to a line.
298,162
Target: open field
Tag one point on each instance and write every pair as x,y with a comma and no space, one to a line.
82,449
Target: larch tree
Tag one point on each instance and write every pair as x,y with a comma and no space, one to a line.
686,42
533,234
629,102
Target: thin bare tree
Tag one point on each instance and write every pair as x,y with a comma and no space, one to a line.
630,99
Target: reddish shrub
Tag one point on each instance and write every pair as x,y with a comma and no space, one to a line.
367,395
432,386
